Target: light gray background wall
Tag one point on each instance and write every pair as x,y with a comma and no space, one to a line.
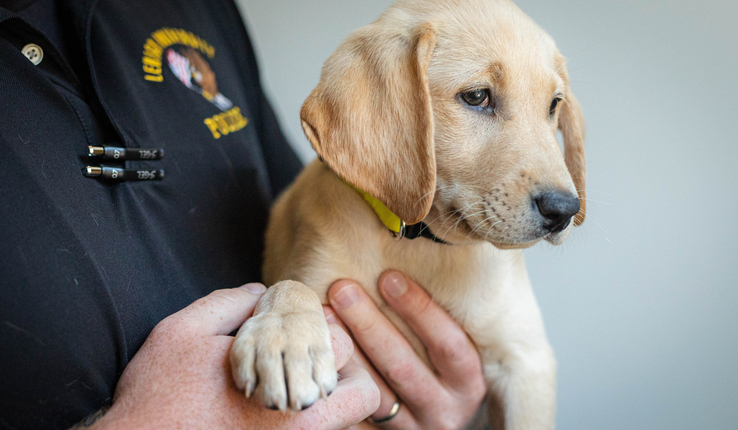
641,303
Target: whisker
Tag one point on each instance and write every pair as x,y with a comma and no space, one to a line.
576,55
466,216
603,230
596,201
481,224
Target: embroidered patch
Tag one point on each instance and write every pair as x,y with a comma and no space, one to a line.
186,55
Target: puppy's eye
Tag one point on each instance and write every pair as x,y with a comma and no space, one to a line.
554,105
477,98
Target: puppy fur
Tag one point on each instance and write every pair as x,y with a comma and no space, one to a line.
388,117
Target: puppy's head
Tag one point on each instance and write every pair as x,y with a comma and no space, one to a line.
447,111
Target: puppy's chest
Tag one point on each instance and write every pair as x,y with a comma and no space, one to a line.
468,282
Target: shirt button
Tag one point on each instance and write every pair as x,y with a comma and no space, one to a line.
33,52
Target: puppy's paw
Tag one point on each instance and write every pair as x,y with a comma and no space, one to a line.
284,359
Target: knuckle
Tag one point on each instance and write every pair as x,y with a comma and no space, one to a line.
450,421
170,327
403,373
476,391
457,351
453,348
479,391
446,418
166,325
473,390
222,294
363,325
420,304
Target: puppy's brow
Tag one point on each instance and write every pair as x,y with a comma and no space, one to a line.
497,73
558,85
556,89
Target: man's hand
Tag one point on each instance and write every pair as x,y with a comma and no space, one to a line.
180,377
445,397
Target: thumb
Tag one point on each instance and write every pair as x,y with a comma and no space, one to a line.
343,346
220,312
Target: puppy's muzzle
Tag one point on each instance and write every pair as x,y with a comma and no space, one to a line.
557,209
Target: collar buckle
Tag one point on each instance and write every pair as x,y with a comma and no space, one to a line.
398,235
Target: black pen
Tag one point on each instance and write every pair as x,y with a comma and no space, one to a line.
125,154
118,174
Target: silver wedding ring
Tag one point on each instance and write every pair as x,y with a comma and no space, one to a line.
395,409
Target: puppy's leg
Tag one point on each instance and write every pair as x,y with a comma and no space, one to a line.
522,390
283,354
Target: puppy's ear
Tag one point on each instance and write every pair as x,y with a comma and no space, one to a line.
370,117
571,124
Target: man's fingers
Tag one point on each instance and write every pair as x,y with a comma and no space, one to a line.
449,348
387,349
404,419
219,313
387,396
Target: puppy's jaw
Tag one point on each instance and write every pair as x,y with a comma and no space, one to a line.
507,246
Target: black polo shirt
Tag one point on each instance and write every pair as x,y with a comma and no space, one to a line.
89,266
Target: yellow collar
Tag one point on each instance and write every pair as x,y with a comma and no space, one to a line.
388,218
394,224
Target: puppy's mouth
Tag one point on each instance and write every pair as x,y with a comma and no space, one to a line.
524,235
558,236
463,228
554,238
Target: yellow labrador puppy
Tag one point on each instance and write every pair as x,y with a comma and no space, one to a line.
438,120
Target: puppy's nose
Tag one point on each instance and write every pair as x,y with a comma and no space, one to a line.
557,208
